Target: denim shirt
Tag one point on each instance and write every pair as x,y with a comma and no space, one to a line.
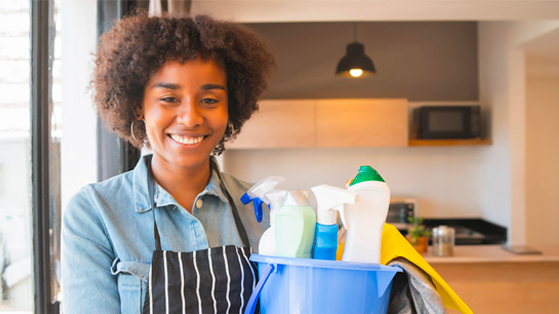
108,240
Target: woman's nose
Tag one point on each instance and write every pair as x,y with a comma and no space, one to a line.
189,114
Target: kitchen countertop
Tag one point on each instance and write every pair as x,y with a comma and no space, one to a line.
491,254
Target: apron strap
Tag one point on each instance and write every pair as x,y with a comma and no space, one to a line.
213,165
156,233
151,190
238,223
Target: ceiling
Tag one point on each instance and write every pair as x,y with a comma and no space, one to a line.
262,11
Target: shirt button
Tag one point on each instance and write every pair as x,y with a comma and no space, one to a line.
199,203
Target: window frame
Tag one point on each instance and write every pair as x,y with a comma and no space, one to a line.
41,16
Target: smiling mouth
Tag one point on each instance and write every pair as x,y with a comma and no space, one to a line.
186,140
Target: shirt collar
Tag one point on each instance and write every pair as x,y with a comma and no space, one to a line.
162,197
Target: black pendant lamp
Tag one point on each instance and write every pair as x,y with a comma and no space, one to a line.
355,63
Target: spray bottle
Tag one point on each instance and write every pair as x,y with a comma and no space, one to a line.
329,200
255,194
295,225
366,217
267,244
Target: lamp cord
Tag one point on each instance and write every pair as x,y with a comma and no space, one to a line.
355,31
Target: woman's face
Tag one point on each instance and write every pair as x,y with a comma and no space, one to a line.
185,111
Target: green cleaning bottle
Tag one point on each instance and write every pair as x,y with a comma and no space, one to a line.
295,226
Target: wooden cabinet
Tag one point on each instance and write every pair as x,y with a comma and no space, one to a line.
361,122
511,288
491,280
326,123
279,124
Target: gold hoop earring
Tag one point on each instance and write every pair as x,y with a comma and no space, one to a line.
230,125
132,129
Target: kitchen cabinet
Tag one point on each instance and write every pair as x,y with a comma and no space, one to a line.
326,123
279,124
491,280
361,122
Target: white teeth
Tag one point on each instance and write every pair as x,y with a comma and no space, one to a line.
187,140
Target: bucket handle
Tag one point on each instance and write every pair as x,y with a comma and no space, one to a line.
251,305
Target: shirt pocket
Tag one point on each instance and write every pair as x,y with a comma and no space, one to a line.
132,279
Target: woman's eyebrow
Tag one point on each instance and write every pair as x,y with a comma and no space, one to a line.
166,85
212,86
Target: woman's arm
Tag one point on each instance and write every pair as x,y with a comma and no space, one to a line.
87,255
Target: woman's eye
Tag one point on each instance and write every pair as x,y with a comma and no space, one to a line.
169,99
209,101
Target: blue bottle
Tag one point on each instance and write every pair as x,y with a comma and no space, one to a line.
326,242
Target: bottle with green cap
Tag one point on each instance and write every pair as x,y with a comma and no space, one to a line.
366,217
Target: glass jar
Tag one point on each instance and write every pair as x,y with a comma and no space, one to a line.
443,241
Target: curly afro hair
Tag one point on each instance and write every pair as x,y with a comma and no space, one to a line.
139,45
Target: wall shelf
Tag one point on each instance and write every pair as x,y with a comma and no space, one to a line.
453,142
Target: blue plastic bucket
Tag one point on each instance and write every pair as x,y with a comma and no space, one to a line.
301,285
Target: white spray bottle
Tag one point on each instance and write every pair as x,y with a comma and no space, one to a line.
329,200
267,244
366,217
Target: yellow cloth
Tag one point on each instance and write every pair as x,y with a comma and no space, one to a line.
394,245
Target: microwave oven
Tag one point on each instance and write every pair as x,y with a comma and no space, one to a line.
399,211
446,122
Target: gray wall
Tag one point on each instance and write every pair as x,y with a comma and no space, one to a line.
415,60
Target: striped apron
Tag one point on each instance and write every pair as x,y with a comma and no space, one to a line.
215,280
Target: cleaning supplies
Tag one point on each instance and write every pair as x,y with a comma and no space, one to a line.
329,200
366,217
295,225
255,193
267,244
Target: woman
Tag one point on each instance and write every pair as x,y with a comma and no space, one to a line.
171,235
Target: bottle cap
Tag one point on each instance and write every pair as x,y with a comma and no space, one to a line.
296,198
366,173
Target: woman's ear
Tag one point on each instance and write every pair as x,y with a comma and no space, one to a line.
139,112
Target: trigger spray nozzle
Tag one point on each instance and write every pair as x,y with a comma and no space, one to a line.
257,192
331,199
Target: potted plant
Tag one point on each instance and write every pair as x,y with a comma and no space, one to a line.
417,235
